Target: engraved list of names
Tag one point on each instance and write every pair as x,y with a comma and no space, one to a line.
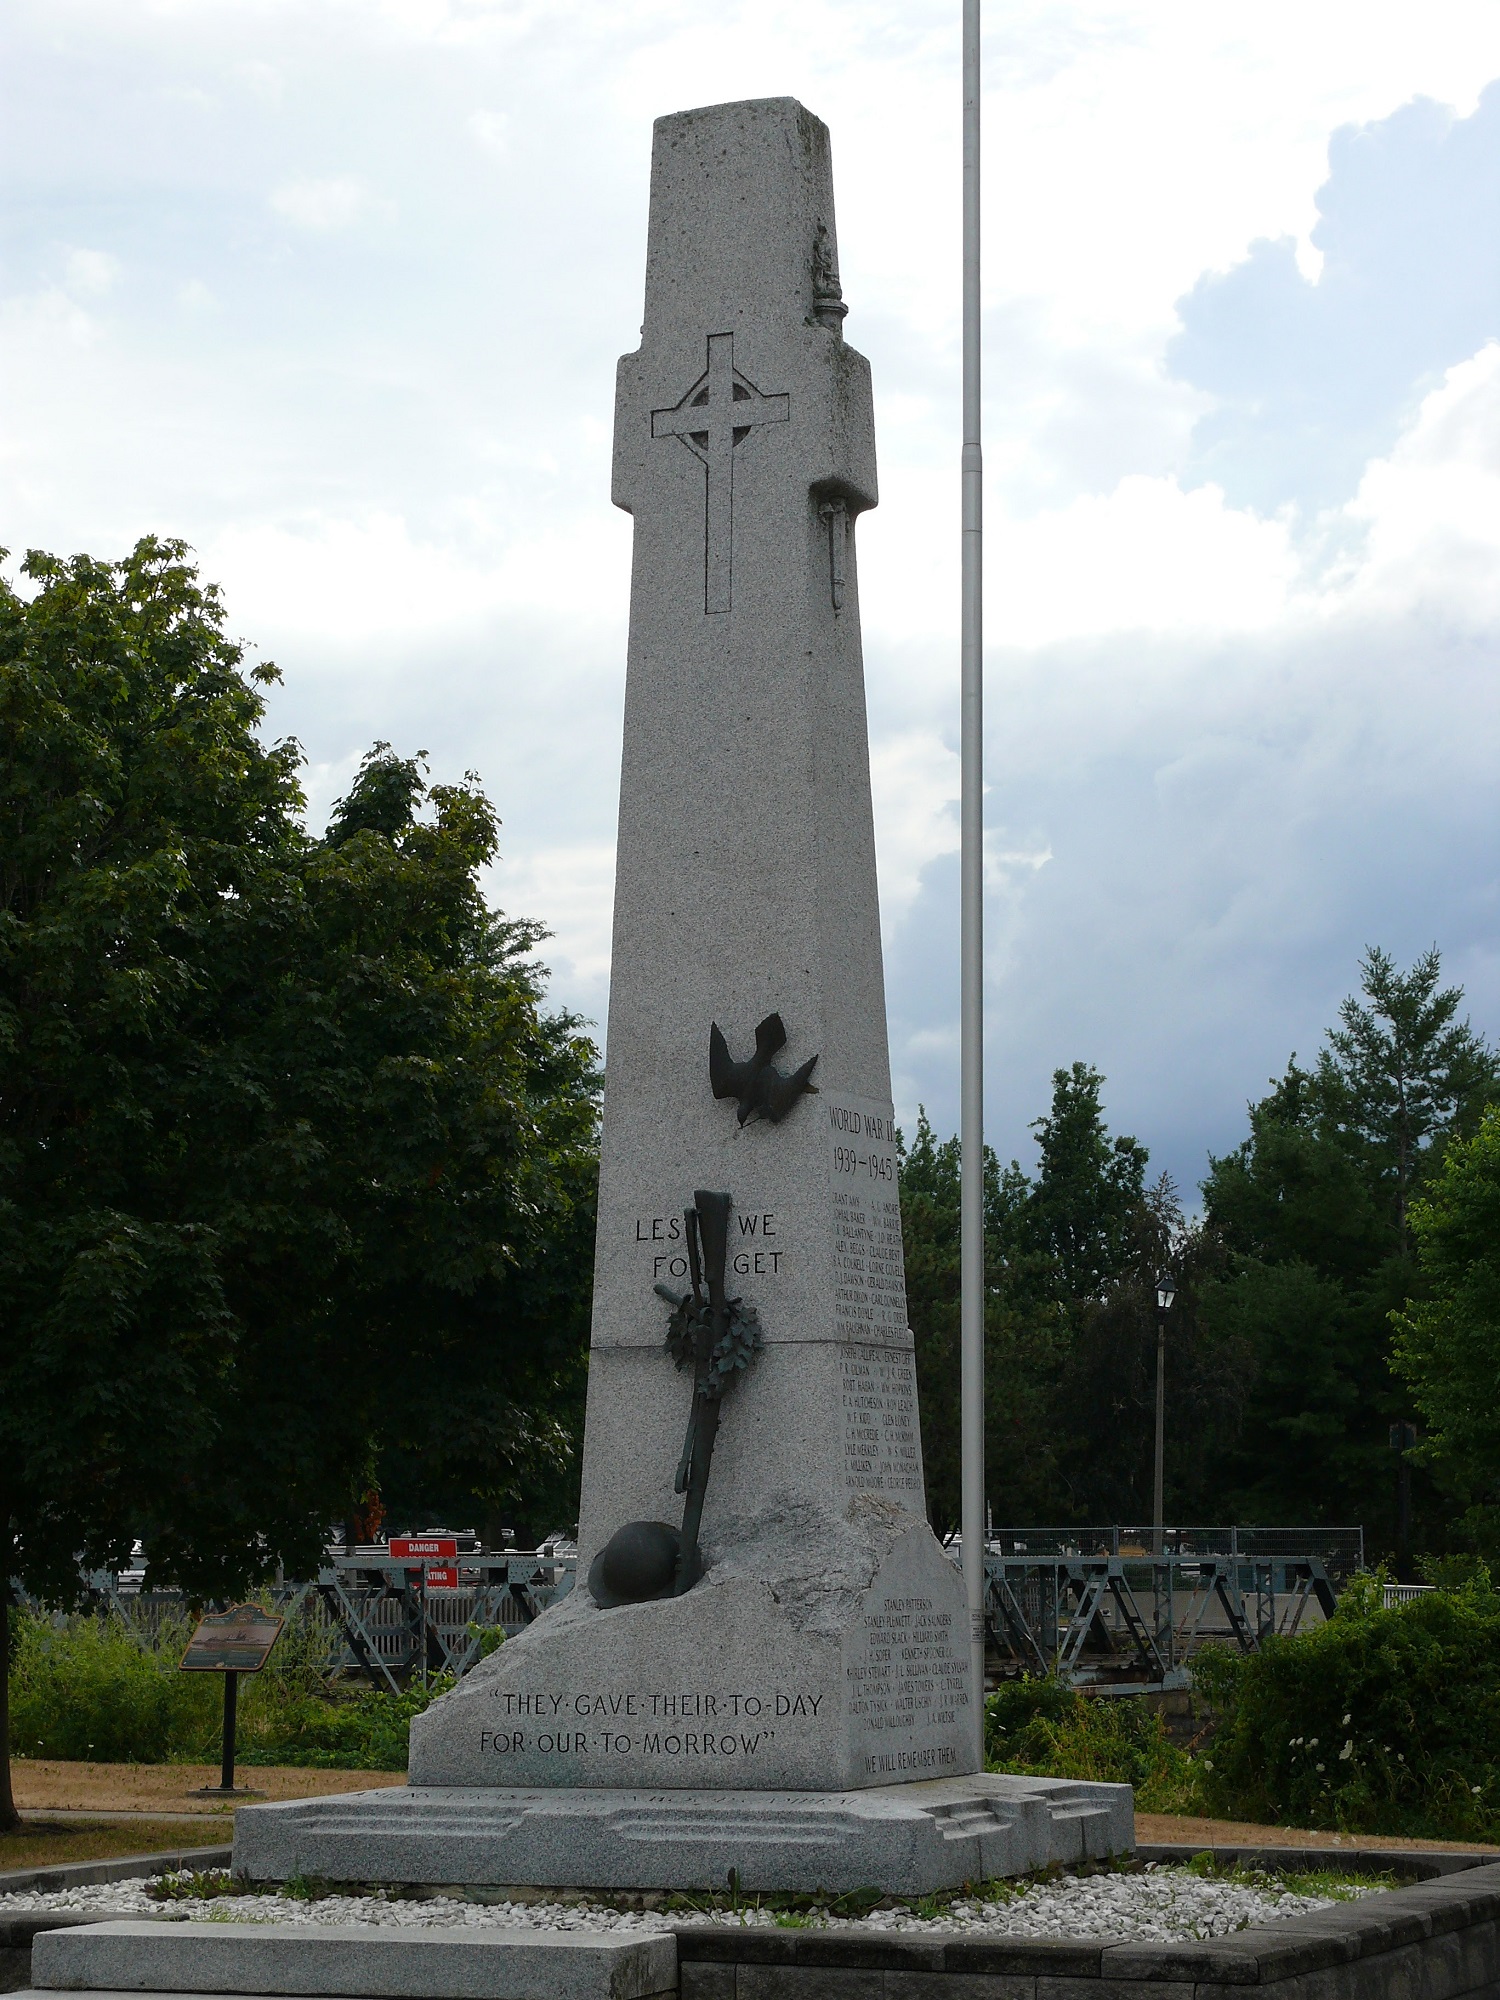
869,1284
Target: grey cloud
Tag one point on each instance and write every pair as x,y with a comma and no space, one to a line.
1229,828
1312,379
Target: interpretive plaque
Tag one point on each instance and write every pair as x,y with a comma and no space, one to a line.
238,1641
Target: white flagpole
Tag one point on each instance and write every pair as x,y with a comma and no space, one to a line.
971,1087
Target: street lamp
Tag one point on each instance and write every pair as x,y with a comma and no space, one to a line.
1166,1292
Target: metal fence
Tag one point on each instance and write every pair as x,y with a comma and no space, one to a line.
1098,1607
1111,1610
1340,1550
383,1621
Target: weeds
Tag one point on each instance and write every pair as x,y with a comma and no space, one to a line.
106,1689
1044,1728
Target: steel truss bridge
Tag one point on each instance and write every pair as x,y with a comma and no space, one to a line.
1102,1608
1123,1610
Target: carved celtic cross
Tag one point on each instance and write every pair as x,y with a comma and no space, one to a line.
713,419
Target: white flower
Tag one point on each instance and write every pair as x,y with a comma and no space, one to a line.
1321,1767
1345,1723
1475,1790
1312,1742
1347,1752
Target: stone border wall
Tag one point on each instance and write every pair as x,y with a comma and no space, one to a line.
17,1933
1436,1940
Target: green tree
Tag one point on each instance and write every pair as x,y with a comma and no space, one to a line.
1312,1210
295,1172
1082,1215
1448,1344
1071,1260
1404,1073
1025,1333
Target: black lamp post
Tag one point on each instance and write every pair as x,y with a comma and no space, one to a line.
1403,1437
1166,1292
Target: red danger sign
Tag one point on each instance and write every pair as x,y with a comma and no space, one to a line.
424,1548
442,1576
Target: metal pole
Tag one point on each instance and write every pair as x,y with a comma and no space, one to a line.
1157,1521
971,1136
231,1706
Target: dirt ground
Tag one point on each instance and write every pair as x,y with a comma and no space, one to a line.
1166,1827
49,1785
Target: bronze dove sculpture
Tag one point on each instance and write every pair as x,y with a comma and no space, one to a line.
760,1088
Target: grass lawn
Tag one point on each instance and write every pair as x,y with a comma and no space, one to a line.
44,1843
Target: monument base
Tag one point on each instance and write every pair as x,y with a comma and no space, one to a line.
907,1839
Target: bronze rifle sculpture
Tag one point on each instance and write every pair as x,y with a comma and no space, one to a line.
719,1337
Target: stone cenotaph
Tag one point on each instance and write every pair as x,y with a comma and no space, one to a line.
763,1665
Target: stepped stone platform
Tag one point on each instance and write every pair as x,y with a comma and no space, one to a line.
913,1838
1434,1940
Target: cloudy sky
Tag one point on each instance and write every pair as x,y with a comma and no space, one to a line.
334,289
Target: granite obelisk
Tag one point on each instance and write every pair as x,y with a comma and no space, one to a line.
824,1645
763,1662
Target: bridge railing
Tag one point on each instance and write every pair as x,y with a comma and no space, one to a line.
1099,1607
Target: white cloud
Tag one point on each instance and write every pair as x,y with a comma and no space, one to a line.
322,205
1145,558
92,272
571,888
1430,512
1217,768
915,781
491,130
347,581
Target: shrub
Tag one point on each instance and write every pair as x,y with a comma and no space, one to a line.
1382,1720
91,1688
1046,1729
363,1731
110,1690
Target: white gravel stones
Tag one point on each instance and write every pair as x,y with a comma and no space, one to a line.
1157,1904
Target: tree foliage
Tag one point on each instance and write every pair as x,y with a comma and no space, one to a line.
1280,1390
1072,1259
1312,1210
296,1175
1448,1343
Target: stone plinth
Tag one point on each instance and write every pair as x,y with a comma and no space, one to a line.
912,1838
814,1655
